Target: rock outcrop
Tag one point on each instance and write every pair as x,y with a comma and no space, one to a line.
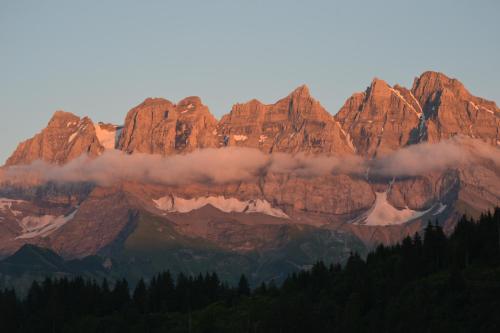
449,109
296,123
66,137
371,124
381,119
384,118
157,126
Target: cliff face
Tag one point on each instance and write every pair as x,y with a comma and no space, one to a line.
250,215
65,138
157,126
372,123
384,118
296,123
381,119
449,109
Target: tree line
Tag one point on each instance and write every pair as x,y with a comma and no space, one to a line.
426,283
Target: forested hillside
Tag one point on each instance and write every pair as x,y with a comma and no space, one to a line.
428,283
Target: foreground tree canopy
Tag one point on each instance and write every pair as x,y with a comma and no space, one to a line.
427,283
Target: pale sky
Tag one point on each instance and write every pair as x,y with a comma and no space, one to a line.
101,58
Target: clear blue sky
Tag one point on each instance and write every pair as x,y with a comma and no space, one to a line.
100,58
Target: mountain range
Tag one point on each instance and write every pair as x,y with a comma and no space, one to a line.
265,190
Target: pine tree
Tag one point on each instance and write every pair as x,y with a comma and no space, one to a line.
140,297
243,286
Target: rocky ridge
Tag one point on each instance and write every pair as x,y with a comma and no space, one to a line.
296,123
372,123
380,120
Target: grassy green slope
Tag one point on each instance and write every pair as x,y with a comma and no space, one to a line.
154,245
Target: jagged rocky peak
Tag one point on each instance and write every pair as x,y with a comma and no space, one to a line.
301,91
433,83
157,126
251,108
192,107
66,137
430,87
191,101
63,119
450,109
379,87
300,102
381,119
296,123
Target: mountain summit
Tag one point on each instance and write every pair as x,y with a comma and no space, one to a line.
157,126
296,123
449,109
66,137
375,122
272,219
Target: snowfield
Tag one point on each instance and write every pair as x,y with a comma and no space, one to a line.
227,205
240,137
383,213
106,138
6,205
41,226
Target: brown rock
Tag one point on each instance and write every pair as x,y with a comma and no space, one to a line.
381,119
422,192
450,109
334,195
99,222
296,123
157,126
65,138
375,122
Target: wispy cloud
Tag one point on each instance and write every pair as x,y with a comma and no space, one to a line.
239,164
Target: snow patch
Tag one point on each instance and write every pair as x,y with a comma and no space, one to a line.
440,209
405,101
240,137
180,205
479,107
6,204
348,137
471,131
262,138
383,213
487,110
473,105
41,226
418,104
72,137
106,137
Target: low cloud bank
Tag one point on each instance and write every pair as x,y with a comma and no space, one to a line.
427,157
238,164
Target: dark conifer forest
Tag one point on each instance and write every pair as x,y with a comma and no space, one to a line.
427,283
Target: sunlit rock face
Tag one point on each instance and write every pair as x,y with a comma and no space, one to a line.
65,138
296,123
157,126
449,109
381,119
268,207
